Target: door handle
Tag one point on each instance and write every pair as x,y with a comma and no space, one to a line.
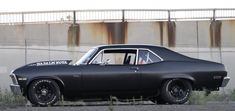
134,68
76,75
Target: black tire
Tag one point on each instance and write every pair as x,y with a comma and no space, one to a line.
176,91
43,92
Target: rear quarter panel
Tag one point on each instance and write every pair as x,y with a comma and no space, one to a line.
201,74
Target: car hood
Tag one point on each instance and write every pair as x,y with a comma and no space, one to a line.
46,63
43,63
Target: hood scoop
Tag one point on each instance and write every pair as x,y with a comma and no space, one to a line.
54,62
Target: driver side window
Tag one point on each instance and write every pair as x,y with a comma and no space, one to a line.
116,57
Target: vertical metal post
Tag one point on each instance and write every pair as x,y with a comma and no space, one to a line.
25,52
22,18
220,52
214,14
169,15
220,48
161,33
49,42
197,39
123,15
74,17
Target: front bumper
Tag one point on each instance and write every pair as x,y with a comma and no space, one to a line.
15,89
225,81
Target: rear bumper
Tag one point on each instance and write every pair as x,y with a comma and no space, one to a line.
225,81
15,89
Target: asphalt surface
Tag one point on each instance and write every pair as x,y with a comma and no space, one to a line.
212,106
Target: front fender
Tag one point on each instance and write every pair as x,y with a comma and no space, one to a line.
57,79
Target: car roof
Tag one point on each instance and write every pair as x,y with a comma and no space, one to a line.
128,46
163,52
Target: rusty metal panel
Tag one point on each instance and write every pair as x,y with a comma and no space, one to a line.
74,35
36,34
120,33
215,33
228,33
58,34
144,33
186,34
93,34
161,32
164,33
116,32
171,28
203,34
11,35
103,33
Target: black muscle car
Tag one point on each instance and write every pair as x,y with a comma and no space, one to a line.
124,71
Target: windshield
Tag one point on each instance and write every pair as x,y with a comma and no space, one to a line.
85,58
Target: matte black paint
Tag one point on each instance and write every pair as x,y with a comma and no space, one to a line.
100,81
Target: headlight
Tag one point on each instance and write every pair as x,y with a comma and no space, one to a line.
13,78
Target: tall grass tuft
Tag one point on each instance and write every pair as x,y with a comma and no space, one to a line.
8,99
199,97
232,95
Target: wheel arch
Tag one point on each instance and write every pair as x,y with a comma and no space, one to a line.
54,78
179,76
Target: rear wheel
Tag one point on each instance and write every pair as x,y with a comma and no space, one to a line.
176,91
43,92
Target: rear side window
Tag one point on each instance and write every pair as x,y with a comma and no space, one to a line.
147,57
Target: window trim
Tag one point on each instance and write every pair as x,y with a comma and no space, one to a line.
112,49
137,53
137,57
96,49
150,52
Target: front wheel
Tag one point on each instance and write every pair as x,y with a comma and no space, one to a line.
43,92
176,91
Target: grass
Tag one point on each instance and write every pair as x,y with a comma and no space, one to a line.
199,97
8,99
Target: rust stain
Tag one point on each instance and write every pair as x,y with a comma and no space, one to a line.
215,33
232,22
171,26
116,32
74,35
211,35
98,30
125,31
218,33
161,32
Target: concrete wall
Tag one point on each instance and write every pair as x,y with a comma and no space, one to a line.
21,44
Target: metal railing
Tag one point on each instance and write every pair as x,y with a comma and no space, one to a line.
77,16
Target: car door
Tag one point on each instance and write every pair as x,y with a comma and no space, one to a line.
112,70
149,64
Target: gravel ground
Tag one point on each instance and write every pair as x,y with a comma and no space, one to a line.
212,106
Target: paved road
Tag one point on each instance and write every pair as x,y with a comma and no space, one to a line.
213,106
